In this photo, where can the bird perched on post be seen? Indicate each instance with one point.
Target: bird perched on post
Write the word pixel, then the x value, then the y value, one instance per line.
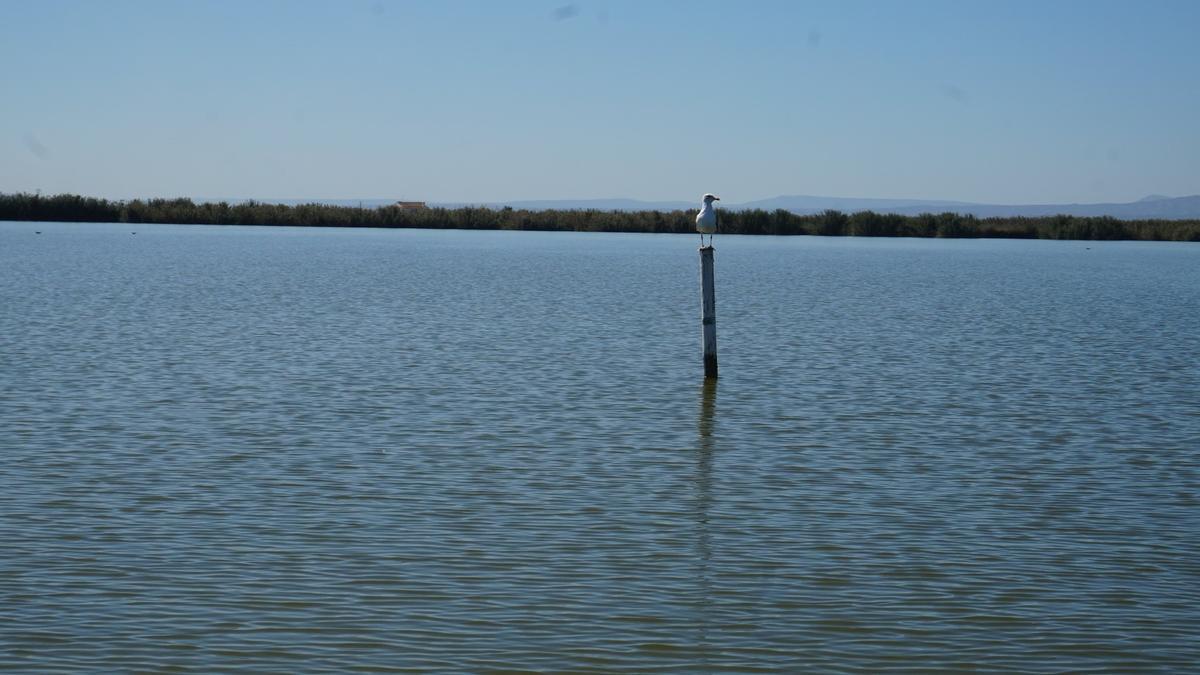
pixel 706 220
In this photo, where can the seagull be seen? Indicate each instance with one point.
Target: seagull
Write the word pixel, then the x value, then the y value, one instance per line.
pixel 706 220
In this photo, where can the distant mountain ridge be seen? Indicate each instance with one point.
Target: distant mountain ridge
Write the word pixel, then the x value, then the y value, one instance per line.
pixel 1149 207
pixel 1153 206
pixel 803 204
pixel 1172 208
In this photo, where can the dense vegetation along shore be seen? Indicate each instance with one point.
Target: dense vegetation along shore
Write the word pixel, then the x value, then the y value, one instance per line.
pixel 73 208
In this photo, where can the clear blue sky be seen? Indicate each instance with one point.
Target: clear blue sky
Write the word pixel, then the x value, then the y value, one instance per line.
pixel 1005 102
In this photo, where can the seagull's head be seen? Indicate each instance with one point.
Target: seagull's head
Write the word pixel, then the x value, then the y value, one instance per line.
pixel 710 198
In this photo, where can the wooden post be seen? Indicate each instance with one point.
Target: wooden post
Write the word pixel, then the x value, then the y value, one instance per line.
pixel 708 311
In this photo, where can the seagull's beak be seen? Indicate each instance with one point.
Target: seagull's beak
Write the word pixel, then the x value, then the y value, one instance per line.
pixel 716 199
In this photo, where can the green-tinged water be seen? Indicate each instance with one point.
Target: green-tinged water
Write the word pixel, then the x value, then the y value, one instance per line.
pixel 302 450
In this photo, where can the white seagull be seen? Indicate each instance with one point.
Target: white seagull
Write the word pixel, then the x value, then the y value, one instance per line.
pixel 706 220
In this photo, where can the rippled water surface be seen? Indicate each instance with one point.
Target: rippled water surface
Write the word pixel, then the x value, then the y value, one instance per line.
pixel 302 450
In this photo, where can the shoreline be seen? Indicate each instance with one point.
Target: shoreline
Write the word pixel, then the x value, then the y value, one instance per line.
pixel 76 209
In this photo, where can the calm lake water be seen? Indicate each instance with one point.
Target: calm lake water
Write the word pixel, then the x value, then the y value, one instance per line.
pixel 303 450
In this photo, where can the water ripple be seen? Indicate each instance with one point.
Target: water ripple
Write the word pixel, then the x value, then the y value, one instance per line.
pixel 264 450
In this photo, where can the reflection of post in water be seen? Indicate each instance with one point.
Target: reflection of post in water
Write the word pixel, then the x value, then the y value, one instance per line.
pixel 704 468
pixel 704 457
pixel 704 463
pixel 708 403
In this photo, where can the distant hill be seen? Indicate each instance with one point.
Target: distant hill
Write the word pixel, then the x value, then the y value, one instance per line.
pixel 805 204
pixel 364 203
pixel 1152 206
pixel 1168 208
pixel 614 204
